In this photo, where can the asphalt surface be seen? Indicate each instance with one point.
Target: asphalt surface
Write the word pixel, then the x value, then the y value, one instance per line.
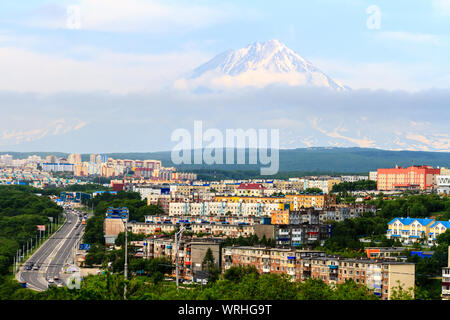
pixel 54 253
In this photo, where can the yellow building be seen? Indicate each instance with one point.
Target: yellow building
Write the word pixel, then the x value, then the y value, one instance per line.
pixel 295 202
pixel 409 230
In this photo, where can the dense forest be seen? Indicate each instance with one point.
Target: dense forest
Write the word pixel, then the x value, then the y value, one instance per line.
pixel 361 185
pixel 20 213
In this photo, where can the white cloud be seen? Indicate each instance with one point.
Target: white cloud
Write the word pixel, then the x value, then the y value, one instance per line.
pixel 442 7
pixel 104 70
pixel 386 75
pixel 440 142
pixel 137 16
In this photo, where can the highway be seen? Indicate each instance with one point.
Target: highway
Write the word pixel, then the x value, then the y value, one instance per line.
pixel 53 253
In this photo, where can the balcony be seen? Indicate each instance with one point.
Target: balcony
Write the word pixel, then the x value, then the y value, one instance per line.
pixel 446 292
pixel 266 269
pixel 291 257
pixel 332 266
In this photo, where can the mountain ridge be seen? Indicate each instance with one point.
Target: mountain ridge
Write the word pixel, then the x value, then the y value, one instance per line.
pixel 325 159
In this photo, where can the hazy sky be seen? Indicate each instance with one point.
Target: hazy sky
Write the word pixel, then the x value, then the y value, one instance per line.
pixel 97 75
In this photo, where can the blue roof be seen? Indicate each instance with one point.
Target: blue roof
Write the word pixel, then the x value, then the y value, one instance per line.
pixel 408 221
pixel 444 223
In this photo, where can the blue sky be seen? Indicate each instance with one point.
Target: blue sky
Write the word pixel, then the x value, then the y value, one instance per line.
pixel 132 51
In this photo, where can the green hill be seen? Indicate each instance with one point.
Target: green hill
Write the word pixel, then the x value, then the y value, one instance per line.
pixel 330 160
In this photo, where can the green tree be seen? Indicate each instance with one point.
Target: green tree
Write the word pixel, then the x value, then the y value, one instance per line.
pixel 211 266
pixel 314 289
pixel 398 293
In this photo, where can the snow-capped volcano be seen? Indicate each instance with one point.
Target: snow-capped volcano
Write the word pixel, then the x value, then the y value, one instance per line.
pixel 258 65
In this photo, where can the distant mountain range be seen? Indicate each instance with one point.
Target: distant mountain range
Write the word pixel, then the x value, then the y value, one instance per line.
pixel 258 65
pixel 327 159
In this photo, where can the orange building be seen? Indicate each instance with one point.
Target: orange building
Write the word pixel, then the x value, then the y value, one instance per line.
pixel 415 177
pixel 280 217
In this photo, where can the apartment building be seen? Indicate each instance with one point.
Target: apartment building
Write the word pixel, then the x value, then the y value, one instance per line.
pixel 353 178
pixel 381 276
pixel 224 230
pixel 344 212
pixel 436 229
pixel 323 183
pixel 250 190
pixel 384 253
pixel 414 177
pixel 190 253
pixel 266 260
pixel 410 230
pixel 301 234
pixel 443 184
pixel 222 208
pixel 251 220
pixel 446 279
pixel 57 167
pixel 296 201
pixel 114 223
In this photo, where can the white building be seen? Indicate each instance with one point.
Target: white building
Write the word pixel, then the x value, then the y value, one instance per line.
pixel 353 178
pixel 57 167
pixel 373 175
pixel 443 184
pixel 211 208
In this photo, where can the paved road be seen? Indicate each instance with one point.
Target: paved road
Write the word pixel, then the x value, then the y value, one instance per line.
pixel 54 253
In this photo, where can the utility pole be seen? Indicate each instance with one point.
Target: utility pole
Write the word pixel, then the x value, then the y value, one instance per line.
pixel 126 260
pixel 177 242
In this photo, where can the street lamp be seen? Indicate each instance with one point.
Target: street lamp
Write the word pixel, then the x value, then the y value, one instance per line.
pixel 178 236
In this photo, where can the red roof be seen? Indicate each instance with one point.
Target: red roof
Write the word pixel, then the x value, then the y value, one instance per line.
pixel 251 186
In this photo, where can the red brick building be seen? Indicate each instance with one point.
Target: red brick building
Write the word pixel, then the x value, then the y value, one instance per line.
pixel 415 177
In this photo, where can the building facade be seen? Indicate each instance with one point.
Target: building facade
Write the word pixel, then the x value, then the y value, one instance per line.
pixel 415 177
pixel 381 276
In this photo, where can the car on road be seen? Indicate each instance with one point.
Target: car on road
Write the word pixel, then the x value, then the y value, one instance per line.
pixel 78 233
pixel 36 268
pixel 29 267
pixel 56 278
